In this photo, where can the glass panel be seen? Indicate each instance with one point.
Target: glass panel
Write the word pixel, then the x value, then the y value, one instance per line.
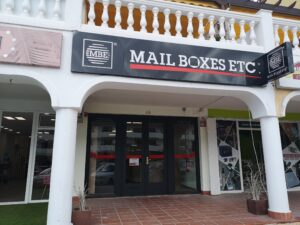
pixel 14 155
pixel 156 152
pixel 102 157
pixel 291 153
pixel 134 152
pixel 46 120
pixel 185 153
pixel 43 161
pixel 229 156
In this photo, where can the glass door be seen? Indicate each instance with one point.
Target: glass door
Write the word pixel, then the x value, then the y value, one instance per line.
pixel 155 159
pixel 134 157
pixel 144 157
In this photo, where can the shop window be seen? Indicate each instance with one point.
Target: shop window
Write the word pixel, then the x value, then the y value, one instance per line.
pixel 185 155
pixel 43 157
pixel 102 157
pixel 15 136
pixel 291 153
pixel 229 156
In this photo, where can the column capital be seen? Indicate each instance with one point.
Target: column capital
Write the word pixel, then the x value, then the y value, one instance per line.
pixel 78 109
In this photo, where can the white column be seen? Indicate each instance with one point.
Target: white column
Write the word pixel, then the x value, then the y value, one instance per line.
pixel 213 156
pixel 273 158
pixel 204 164
pixel 62 171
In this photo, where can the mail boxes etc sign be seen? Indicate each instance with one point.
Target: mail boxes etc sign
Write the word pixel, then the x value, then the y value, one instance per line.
pixel 110 55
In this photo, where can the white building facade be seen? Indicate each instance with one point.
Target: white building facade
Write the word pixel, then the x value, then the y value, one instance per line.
pixel 116 135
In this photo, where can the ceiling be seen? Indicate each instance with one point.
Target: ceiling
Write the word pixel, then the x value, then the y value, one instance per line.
pixel 23 91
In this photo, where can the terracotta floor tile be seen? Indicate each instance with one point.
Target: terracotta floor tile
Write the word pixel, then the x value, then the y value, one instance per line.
pixel 181 210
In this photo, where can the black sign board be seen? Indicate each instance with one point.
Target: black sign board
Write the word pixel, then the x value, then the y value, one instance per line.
pixel 110 55
pixel 277 63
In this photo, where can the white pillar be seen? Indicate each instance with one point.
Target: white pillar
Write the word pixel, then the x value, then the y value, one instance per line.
pixel 62 172
pixel 204 164
pixel 273 158
pixel 213 157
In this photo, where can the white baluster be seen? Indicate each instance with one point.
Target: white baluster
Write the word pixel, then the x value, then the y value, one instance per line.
pixel 276 35
pixel 25 7
pixel 143 22
pixel 295 38
pixel 190 25
pixel 286 34
pixel 232 33
pixel 222 29
pixel 167 25
pixel 9 6
pixel 155 24
pixel 56 10
pixel 252 33
pixel 105 17
pixel 178 26
pixel 130 20
pixel 212 30
pixel 118 17
pixel 201 27
pixel 91 14
pixel 242 39
pixel 42 9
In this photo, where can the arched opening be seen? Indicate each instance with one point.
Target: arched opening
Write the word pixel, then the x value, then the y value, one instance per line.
pixel 290 138
pixel 26 139
pixel 140 136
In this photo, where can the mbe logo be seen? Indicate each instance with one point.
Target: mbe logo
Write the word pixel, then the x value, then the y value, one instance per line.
pixel 275 60
pixel 97 54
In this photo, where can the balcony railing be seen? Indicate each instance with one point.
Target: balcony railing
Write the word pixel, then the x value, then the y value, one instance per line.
pixel 43 13
pixel 287 31
pixel 174 19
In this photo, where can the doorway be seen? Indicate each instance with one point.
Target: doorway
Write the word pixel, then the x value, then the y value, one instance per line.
pixel 141 155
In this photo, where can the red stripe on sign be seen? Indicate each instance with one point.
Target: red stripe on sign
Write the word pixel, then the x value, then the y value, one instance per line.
pixel 185 156
pixel 187 70
pixel 133 156
pixel 99 156
pixel 156 156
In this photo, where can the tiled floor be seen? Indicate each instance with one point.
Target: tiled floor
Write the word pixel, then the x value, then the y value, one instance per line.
pixel 181 210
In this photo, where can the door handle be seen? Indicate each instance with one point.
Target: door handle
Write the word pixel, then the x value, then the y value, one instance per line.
pixel 147 160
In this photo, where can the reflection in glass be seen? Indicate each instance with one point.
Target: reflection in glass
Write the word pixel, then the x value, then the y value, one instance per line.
pixel 185 153
pixel 43 161
pixel 134 152
pixel 229 155
pixel 291 153
pixel 15 138
pixel 156 152
pixel 102 157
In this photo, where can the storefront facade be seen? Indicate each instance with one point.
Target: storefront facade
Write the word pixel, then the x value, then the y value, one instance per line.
pixel 128 130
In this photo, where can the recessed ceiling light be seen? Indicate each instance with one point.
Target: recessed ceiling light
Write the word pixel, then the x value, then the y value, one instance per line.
pixel 10 130
pixel 5 128
pixel 18 132
pixel 46 132
pixel 20 118
pixel 9 118
pixel 52 119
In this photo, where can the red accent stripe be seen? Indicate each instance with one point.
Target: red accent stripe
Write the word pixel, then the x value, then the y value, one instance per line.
pixel 133 156
pixel 185 156
pixel 156 156
pixel 99 156
pixel 187 70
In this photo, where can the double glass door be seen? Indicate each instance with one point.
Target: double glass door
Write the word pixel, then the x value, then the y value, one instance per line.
pixel 139 155
pixel 145 166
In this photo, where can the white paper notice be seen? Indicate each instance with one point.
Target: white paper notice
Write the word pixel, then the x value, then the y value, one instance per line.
pixel 134 162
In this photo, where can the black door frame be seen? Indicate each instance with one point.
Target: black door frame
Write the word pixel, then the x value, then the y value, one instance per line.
pixel 169 182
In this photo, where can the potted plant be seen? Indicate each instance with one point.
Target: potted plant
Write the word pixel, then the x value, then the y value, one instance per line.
pixel 257 201
pixel 81 214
